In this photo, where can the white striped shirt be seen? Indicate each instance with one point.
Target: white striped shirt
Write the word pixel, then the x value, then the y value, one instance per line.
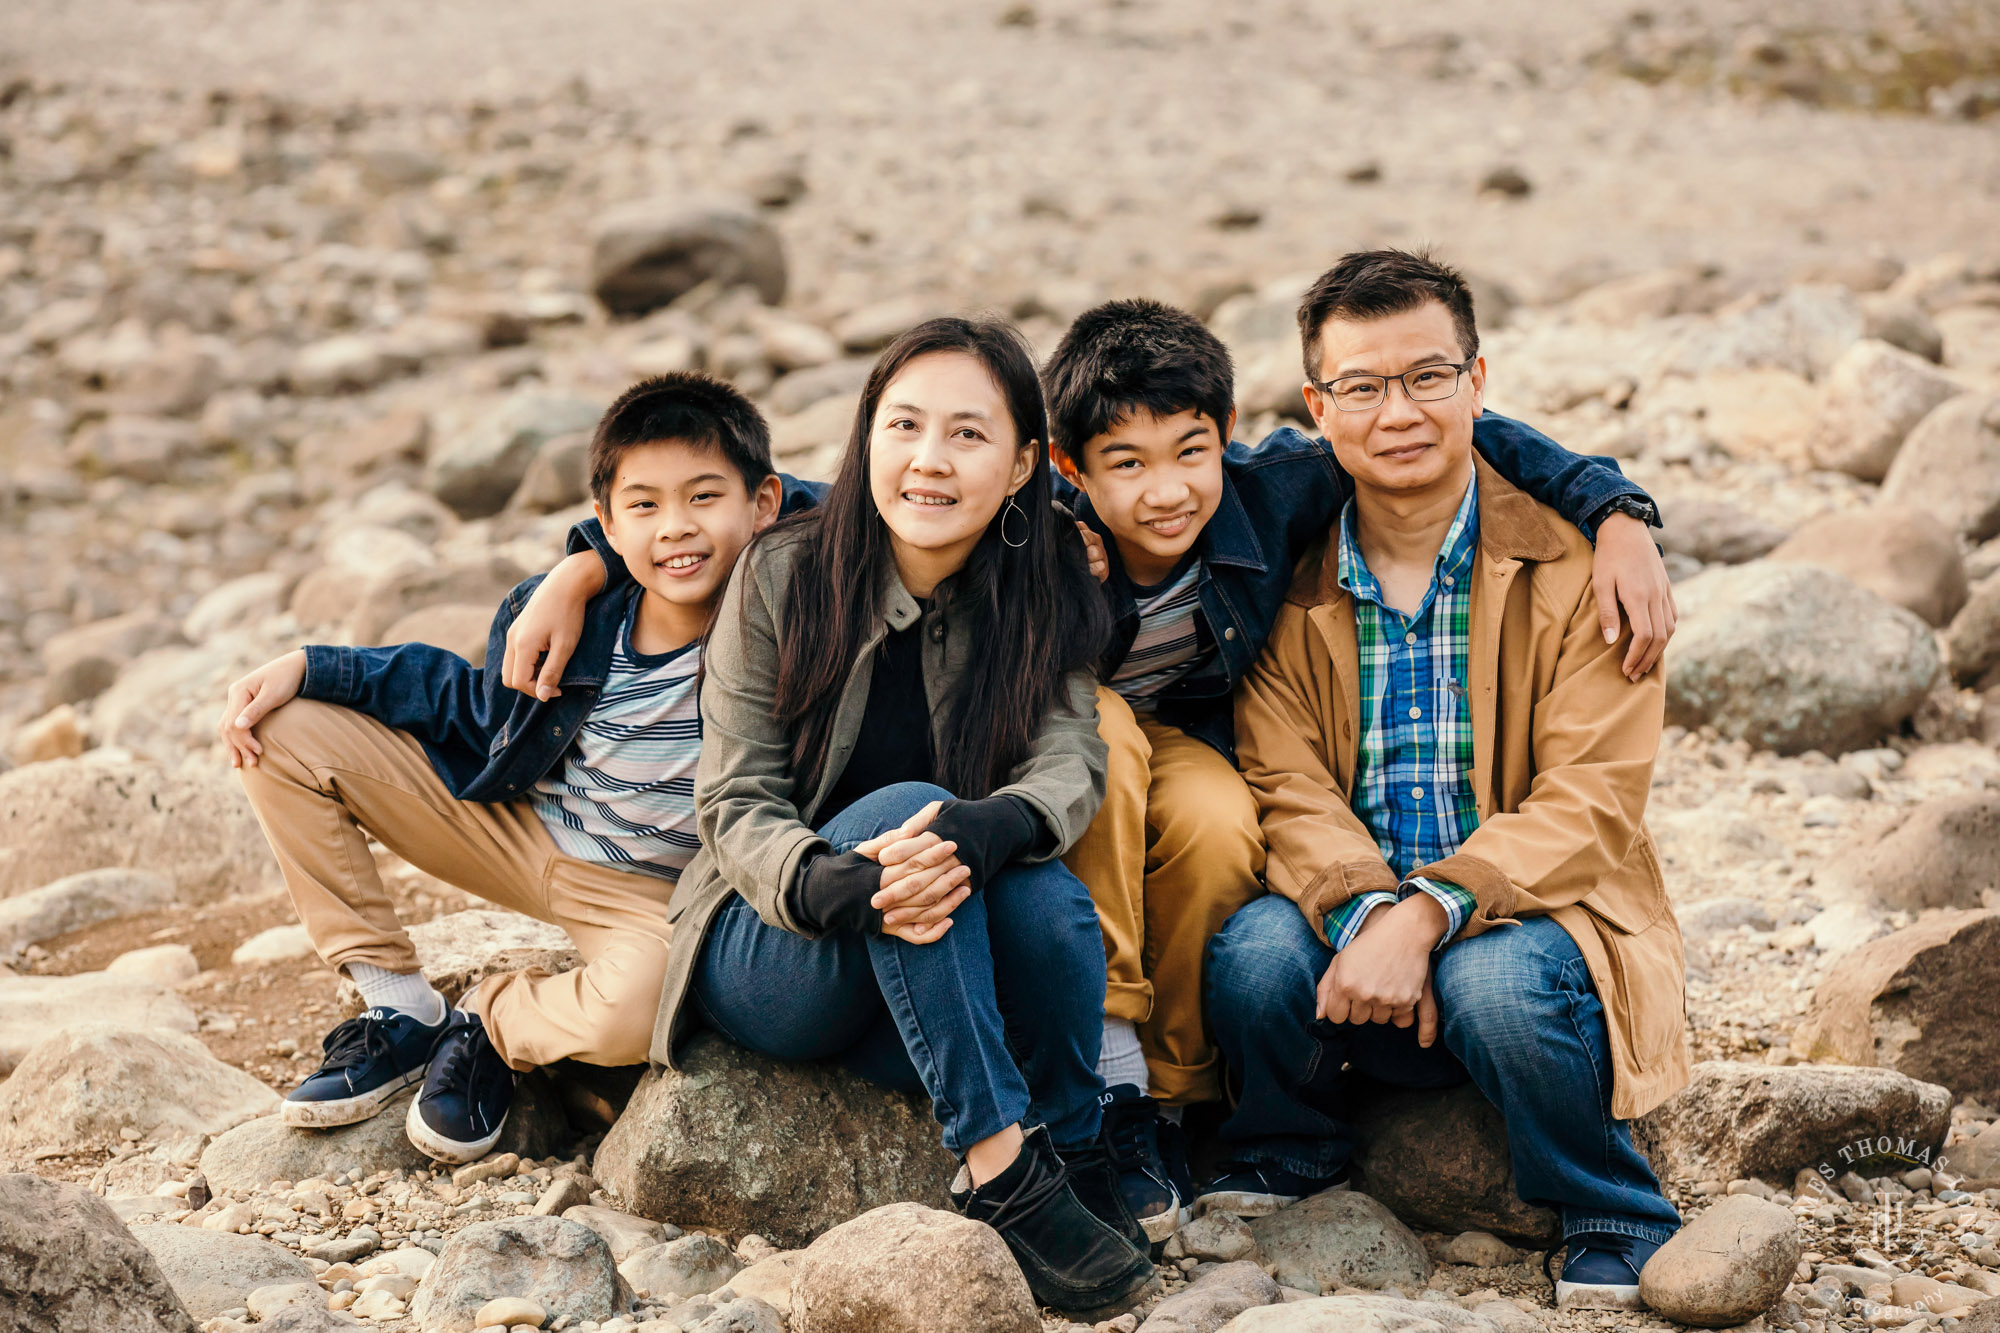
pixel 1167 645
pixel 624 793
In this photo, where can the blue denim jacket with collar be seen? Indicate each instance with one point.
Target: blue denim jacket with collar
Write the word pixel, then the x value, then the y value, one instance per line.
pixel 488 742
pixel 1278 498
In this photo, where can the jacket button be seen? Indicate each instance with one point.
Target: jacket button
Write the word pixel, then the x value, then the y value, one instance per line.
pixel 1230 634
pixel 555 731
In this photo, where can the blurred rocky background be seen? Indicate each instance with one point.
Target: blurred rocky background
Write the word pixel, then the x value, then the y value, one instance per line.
pixel 305 311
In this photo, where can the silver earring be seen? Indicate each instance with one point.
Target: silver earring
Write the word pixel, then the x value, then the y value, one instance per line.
pixel 1010 511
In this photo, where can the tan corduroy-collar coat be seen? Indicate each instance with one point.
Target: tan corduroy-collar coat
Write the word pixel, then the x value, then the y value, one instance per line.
pixel 1563 749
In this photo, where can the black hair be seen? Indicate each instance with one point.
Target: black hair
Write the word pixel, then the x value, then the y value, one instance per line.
pixel 683 406
pixel 1031 613
pixel 1373 284
pixel 1127 355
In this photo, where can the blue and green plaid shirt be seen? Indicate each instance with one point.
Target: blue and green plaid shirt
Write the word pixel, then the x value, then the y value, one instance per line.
pixel 1413 776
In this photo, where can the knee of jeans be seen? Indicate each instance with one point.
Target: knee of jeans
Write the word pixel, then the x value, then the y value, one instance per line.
pixel 1260 964
pixel 883 809
pixel 1047 911
pixel 1498 988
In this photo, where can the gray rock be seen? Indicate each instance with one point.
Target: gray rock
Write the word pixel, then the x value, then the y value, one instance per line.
pixel 1794 658
pixel 1726 1267
pixel 68 815
pixel 1901 555
pixel 79 900
pixel 66 1262
pixel 1740 1121
pixel 1212 1300
pixel 1973 640
pixel 1924 1000
pixel 400 594
pixel 144 449
pixel 80 1087
pixel 769 1279
pixel 34 1009
pixel 738 1142
pixel 213 1271
pixel 872 327
pixel 691 1266
pixel 1359 1314
pixel 1985 1318
pixel 1805 331
pixel 1903 323
pixel 624 1233
pixel 333 365
pixel 745 1314
pixel 563 1266
pixel 476 471
pixel 462 628
pixel 460 949
pixel 558 476
pixel 1341 1238
pixel 1978 1158
pixel 1218 1236
pixel 906 1268
pixel 265 1302
pixel 1941 853
pixel 238 604
pixel 1714 532
pixel 1872 400
pixel 82 663
pixel 1480 1249
pixel 1950 466
pixel 1719 914
pixel 647 254
pixel 1439 1160
pixel 804 389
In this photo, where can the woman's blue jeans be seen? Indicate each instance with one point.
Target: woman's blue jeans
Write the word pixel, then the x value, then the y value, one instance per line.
pixel 1517 1014
pixel 999 1021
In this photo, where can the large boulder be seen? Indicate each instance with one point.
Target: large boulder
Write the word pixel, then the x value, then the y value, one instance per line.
pixel 1439 1160
pixel 81 663
pixel 1805 331
pixel 1360 1314
pixel 1924 1000
pixel 1942 853
pixel 69 815
pixel 1904 556
pixel 685 1266
pixel 1793 658
pixel 1950 466
pixel 84 1085
pixel 905 1268
pixel 1874 398
pixel 165 704
pixel 32 1009
pixel 1341 1238
pixel 395 597
pixel 475 471
pixel 1726 1267
pixel 460 949
pixel 648 253
pixel 1737 1121
pixel 67 1262
pixel 213 1271
pixel 79 900
pixel 1716 532
pixel 737 1142
pixel 563 1267
pixel 1213 1299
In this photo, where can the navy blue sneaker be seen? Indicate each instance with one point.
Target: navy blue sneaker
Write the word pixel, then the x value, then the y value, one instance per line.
pixel 463 1107
pixel 368 1061
pixel 1131 1135
pixel 1249 1190
pixel 1601 1271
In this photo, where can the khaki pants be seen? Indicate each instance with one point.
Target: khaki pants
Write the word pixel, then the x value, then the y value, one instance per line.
pixel 327 773
pixel 1174 851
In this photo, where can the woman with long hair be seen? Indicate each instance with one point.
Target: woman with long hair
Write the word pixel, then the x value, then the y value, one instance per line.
pixel 900 737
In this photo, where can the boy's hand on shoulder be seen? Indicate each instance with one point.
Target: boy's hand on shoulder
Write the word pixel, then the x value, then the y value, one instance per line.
pixel 1093 550
pixel 252 698
pixel 1629 573
pixel 543 636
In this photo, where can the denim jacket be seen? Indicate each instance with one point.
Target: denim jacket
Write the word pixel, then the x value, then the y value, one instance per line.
pixel 488 742
pixel 1278 498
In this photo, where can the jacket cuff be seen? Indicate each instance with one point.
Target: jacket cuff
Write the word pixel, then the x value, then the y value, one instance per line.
pixel 1332 887
pixel 333 675
pixel 1486 882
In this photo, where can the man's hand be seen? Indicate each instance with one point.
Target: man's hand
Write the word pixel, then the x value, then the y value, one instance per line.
pixel 1093 549
pixel 543 636
pixel 252 698
pixel 923 881
pixel 1628 572
pixel 1384 976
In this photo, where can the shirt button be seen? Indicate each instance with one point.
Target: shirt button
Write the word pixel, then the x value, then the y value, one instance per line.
pixel 1409 638
pixel 1416 712
pixel 1449 580
pixel 1416 793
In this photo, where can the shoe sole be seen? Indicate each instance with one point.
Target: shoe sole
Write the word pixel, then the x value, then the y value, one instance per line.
pixel 1244 1204
pixel 348 1110
pixel 1105 1306
pixel 439 1148
pixel 1161 1227
pixel 1596 1296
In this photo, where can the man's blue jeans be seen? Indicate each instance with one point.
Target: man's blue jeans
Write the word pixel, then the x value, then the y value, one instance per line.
pixel 1517 1014
pixel 999 1021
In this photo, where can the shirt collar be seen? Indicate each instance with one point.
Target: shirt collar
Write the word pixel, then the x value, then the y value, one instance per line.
pixel 1454 557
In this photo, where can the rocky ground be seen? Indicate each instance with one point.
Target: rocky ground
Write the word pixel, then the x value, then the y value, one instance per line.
pixel 303 315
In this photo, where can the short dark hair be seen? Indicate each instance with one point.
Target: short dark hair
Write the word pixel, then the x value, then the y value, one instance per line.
pixel 684 406
pixel 1126 355
pixel 1374 284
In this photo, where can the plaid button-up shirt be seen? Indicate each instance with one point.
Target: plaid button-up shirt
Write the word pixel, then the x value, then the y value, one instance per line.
pixel 1413 775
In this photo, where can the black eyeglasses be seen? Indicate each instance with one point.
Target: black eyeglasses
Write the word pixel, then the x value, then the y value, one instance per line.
pixel 1425 384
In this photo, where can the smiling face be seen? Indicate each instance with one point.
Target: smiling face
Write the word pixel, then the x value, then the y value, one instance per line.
pixel 943 456
pixel 1155 481
pixel 1398 446
pixel 680 515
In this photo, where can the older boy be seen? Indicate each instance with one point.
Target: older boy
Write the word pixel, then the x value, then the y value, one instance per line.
pixel 576 808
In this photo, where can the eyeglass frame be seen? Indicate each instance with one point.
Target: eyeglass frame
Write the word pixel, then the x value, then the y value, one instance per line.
pixel 1463 368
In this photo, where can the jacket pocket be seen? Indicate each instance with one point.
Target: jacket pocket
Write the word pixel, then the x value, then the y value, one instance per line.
pixel 1633 897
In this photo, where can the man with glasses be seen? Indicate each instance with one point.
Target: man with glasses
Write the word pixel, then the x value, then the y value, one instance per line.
pixel 1450 768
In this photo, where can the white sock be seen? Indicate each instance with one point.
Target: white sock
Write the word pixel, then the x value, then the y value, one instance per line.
pixel 1120 1060
pixel 407 991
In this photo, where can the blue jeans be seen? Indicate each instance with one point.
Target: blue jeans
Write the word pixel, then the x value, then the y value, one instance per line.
pixel 999 1021
pixel 1517 1014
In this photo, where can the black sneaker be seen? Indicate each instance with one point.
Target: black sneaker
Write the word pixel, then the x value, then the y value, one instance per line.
pixel 1094 1177
pixel 368 1061
pixel 1131 1136
pixel 1073 1260
pixel 1174 1156
pixel 463 1107
pixel 1258 1191
pixel 1601 1271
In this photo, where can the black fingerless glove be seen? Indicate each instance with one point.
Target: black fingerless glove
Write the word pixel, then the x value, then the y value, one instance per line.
pixel 989 833
pixel 831 892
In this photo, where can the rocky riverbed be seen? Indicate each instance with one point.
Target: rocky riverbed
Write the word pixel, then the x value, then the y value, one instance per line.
pixel 303 317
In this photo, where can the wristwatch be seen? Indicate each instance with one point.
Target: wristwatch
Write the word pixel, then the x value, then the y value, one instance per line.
pixel 1642 509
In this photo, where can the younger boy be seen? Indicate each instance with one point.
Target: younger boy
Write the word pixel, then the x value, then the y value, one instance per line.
pixel 1203 535
pixel 576 808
